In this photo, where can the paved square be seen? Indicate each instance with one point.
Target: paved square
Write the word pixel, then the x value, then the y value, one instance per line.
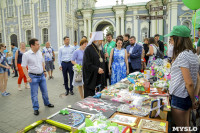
pixel 16 110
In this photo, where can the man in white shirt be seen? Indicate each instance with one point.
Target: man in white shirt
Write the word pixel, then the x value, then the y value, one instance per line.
pixel 36 74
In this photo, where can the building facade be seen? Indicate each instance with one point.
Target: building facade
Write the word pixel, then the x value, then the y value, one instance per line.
pixel 51 20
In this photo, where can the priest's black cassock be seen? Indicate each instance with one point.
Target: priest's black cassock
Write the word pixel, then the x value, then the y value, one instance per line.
pixel 91 65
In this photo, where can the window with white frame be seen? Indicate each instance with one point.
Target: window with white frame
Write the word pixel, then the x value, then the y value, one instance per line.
pixel 129 31
pixel 0 38
pixel 26 6
pixel 43 5
pixel 10 8
pixel 45 35
pixel 28 36
pixel 187 23
pixel 144 33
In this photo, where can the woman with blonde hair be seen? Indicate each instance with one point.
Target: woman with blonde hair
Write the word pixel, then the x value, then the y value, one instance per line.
pixel 77 58
pixel 18 60
pixel 3 71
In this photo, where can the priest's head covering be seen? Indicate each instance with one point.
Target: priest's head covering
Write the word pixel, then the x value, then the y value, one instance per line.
pixel 98 35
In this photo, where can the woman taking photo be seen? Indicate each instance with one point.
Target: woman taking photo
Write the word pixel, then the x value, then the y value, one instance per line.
pixel 119 61
pixel 18 60
pixel 184 73
pixel 77 58
pixel 153 46
pixel 3 71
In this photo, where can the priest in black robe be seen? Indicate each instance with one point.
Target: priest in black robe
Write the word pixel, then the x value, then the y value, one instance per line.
pixel 94 66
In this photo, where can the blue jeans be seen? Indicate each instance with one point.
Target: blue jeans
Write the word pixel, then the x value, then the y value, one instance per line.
pixel 36 82
pixel 181 103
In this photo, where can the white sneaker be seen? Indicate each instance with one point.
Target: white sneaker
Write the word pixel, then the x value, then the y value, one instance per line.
pixel 19 88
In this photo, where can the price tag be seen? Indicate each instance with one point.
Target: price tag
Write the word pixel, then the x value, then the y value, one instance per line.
pixel 88 116
pixel 132 124
pixel 163 124
pixel 169 107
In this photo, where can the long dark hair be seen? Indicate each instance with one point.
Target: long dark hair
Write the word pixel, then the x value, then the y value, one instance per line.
pixel 153 41
pixel 181 44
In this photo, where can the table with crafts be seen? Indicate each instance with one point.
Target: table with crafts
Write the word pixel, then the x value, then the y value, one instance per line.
pixel 138 103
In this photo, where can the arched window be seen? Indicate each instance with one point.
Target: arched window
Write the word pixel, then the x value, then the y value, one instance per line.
pixel 43 5
pixel 82 34
pixel 129 31
pixel 187 23
pixel 10 6
pixel 26 7
pixel 0 38
pixel 45 35
pixel 144 33
pixel 28 36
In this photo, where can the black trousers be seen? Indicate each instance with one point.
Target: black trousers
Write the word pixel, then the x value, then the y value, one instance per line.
pixel 67 69
pixel 131 70
pixel 16 73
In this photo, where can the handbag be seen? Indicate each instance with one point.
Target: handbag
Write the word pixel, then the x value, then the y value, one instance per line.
pixel 159 54
pixel 78 76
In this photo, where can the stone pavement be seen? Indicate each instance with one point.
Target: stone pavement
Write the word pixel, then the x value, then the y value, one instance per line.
pixel 16 110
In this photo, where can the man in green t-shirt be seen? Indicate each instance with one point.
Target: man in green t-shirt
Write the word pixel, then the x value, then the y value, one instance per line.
pixel 107 49
pixel 198 43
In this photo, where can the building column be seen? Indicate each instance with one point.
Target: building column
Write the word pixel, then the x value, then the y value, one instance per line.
pixel 174 17
pixel 89 28
pixel 19 23
pixel 160 24
pixel 122 26
pixel 135 22
pixel 117 26
pixel 4 29
pixel 85 27
pixel 153 26
pixel 33 19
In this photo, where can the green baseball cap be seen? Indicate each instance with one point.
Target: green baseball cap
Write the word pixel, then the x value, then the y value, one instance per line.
pixel 181 30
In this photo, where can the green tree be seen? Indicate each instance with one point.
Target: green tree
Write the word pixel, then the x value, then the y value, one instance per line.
pixel 110 30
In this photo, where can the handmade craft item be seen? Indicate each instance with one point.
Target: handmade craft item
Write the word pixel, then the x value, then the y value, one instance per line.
pixel 64 112
pixel 47 126
pixel 124 96
pixel 137 111
pixel 74 119
pixel 153 125
pixel 102 126
pixel 125 119
pixel 93 105
pixel 157 109
pixel 165 100
pixel 139 88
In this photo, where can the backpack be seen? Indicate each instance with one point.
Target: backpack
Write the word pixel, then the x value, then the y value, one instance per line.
pixel 159 54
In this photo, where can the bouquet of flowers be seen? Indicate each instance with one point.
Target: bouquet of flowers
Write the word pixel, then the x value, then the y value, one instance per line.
pixel 78 72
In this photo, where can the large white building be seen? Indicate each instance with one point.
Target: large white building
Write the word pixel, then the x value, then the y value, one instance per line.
pixel 51 20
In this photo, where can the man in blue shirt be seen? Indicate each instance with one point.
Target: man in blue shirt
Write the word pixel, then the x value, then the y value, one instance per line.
pixel 14 49
pixel 64 60
pixel 76 46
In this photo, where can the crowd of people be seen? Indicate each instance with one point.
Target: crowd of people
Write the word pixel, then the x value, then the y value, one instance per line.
pixel 107 64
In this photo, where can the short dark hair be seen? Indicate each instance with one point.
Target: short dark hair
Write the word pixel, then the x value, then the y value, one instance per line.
pixel 65 37
pixel 75 41
pixel 156 35
pixel 85 37
pixel 109 34
pixel 13 44
pixel 120 36
pixel 127 35
pixel 119 39
pixel 133 37
pixel 32 41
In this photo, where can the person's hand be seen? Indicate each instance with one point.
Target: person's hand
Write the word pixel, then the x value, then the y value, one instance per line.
pixel 45 74
pixel 7 67
pixel 29 80
pixel 100 71
pixel 128 54
pixel 195 104
pixel 60 68
pixel 127 72
pixel 16 68
pixel 109 72
pixel 106 54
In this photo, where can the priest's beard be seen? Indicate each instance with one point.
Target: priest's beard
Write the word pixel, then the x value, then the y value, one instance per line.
pixel 98 46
